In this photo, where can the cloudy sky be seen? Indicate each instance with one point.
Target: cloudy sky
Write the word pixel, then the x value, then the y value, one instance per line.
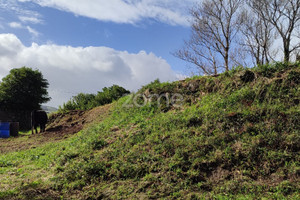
pixel 85 45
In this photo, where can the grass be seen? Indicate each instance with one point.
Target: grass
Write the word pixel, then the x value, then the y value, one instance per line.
pixel 231 139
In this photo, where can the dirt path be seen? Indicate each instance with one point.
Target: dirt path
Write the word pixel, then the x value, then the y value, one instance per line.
pixel 60 126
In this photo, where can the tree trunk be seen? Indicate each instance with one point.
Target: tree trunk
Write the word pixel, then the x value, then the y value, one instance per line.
pixel 226 59
pixel 286 51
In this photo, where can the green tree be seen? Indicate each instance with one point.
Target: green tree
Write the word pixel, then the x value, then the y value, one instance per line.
pixel 79 102
pixel 110 94
pixel 23 89
pixel 88 101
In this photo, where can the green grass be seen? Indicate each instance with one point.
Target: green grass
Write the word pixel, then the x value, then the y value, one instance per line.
pixel 229 140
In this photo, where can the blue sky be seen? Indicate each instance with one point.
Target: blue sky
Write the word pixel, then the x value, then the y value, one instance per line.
pixel 85 45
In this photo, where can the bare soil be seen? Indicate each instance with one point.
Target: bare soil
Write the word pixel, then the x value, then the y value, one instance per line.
pixel 60 126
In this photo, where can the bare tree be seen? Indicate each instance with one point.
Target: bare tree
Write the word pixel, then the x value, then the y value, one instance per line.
pixel 284 16
pixel 200 53
pixel 258 37
pixel 214 27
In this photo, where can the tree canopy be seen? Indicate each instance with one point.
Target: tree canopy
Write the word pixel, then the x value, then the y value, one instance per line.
pixel 23 89
pixel 84 101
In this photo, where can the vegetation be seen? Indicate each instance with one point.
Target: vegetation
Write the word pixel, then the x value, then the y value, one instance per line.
pixel 284 17
pixel 214 28
pixel 226 33
pixel 23 89
pixel 87 101
pixel 235 136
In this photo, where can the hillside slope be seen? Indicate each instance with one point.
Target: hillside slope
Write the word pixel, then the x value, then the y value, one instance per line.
pixel 59 127
pixel 234 136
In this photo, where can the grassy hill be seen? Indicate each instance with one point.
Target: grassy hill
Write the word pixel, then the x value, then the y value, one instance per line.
pixel 234 136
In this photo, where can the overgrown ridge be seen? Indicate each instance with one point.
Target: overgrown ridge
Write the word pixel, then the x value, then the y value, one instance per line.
pixel 234 136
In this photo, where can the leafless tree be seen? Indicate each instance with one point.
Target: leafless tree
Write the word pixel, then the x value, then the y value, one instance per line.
pixel 214 27
pixel 200 53
pixel 284 16
pixel 258 36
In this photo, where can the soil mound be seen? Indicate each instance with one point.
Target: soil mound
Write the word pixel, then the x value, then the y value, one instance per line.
pixel 60 126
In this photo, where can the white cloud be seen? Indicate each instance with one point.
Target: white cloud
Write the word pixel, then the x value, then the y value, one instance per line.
pixel 18 25
pixel 15 25
pixel 32 20
pixel 23 15
pixel 71 70
pixel 173 12
pixel 16 8
pixel 32 31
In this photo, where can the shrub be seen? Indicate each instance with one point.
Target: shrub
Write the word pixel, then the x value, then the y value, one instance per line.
pixel 88 101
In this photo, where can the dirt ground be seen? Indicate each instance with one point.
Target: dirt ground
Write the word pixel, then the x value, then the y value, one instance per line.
pixel 59 127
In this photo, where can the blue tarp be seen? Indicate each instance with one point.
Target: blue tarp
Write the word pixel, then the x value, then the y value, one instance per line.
pixel 4 125
pixel 4 134
pixel 4 129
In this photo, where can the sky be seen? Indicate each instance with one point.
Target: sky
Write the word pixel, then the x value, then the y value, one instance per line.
pixel 85 45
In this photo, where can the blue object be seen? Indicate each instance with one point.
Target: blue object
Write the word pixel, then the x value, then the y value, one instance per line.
pixel 4 125
pixel 4 134
pixel 4 129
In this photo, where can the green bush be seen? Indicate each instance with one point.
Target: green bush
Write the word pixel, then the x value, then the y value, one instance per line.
pixel 88 101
